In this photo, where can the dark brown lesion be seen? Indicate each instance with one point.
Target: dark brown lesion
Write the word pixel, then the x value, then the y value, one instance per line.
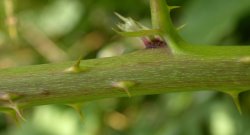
pixel 45 93
pixel 154 43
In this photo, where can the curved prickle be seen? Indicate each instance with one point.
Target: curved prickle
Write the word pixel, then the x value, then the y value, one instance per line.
pixel 7 100
pixel 76 68
pixel 235 96
pixel 78 109
pixel 125 85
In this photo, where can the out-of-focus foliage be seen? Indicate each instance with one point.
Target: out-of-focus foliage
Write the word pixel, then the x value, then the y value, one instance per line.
pixel 59 30
pixel 215 22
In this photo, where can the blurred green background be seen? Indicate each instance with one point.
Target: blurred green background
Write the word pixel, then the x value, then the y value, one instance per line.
pixel 48 31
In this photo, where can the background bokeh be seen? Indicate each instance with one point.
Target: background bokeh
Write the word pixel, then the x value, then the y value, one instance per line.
pixel 48 31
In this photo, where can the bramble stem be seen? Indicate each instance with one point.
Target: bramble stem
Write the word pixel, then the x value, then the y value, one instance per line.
pixel 144 72
pixel 152 71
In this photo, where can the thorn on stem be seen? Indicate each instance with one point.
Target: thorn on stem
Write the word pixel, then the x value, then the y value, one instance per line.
pixel 181 27
pixel 124 85
pixel 7 100
pixel 235 96
pixel 78 109
pixel 129 25
pixel 76 68
pixel 18 112
pixel 173 7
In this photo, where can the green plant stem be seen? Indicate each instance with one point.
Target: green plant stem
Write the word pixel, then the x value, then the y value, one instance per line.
pixel 161 20
pixel 160 16
pixel 152 70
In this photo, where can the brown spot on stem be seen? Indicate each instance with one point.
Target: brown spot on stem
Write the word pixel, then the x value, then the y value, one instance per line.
pixel 154 43
pixel 45 93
